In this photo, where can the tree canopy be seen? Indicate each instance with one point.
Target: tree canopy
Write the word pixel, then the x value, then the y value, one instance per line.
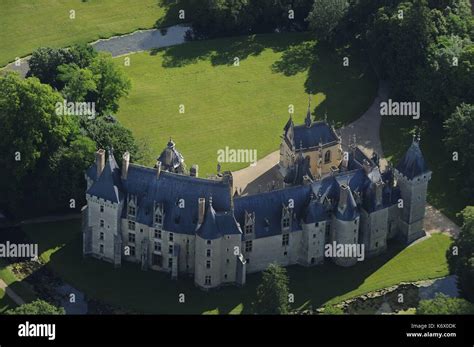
pixel 37 307
pixel 461 255
pixel 272 293
pixel 37 141
pixel 325 16
pixel 443 304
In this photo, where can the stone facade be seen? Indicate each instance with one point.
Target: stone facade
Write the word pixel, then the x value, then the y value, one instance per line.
pixel 188 226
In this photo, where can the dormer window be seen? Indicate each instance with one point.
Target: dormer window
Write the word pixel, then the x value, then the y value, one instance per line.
pixel 158 219
pixel 286 222
pixel 248 229
pixel 131 210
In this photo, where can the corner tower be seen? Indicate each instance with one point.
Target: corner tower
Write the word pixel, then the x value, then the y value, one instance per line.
pixel 412 176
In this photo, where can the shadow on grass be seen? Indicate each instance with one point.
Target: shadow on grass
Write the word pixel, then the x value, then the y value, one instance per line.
pixel 223 51
pixel 326 74
pixel 172 8
pixel 154 292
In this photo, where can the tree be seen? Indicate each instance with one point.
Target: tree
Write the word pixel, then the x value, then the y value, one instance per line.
pixel 111 84
pixel 44 63
pixel 325 16
pixel 78 82
pixel 443 304
pixel 37 307
pixel 65 168
pixel 272 293
pixel 112 135
pixel 461 255
pixel 460 138
pixel 82 55
pixel 32 133
pixel 214 18
pixel 396 58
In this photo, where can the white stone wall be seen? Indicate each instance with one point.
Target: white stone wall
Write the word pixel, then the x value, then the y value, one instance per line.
pixel 229 256
pixel 413 193
pixel 201 259
pixel 312 244
pixel 345 232
pixel 111 226
pixel 269 250
pixel 373 231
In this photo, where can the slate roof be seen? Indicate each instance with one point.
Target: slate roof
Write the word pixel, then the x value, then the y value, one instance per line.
pixel 170 158
pixel 316 212
pixel 168 189
pixel 349 212
pixel 108 186
pixel 296 173
pixel 412 164
pixel 268 209
pixel 312 203
pixel 308 137
pixel 217 224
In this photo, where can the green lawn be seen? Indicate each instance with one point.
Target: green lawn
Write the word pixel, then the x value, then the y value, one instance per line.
pixel 29 24
pixel 443 192
pixel 20 287
pixel 245 106
pixel 154 292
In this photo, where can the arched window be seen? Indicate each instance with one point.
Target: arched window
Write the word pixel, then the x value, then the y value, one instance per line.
pixel 327 157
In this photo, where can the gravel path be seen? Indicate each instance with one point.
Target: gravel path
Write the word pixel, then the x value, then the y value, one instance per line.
pixel 137 41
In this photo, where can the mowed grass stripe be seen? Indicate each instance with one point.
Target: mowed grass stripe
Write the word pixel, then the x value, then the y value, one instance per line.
pixel 243 107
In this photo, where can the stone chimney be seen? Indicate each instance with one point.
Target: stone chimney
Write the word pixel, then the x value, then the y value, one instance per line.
pixel 378 193
pixel 158 168
pixel 343 192
pixel 100 161
pixel 194 171
pixel 201 210
pixel 125 164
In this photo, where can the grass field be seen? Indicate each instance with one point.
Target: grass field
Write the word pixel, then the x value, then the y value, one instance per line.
pixel 29 24
pixel 21 288
pixel 154 292
pixel 245 106
pixel 443 192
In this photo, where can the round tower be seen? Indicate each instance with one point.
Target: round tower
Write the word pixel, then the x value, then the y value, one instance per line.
pixel 345 230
